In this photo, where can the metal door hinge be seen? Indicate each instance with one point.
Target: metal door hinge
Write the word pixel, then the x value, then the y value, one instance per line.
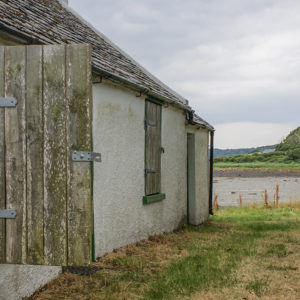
pixel 8 102
pixel 150 170
pixel 86 156
pixel 8 213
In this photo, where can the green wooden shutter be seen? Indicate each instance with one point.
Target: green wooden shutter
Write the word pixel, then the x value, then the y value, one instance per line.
pixel 153 148
pixel 38 179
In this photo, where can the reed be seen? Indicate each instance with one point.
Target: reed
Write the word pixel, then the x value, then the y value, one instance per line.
pixel 215 203
pixel 266 198
pixel 277 195
pixel 240 200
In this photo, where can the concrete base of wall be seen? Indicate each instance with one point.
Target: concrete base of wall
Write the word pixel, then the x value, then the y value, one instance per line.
pixel 17 281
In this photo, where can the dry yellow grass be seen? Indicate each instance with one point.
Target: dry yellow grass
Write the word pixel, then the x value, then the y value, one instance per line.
pixel 255 252
pixel 279 277
pixel 148 257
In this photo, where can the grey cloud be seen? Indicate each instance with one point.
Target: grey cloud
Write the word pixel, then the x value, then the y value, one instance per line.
pixel 234 60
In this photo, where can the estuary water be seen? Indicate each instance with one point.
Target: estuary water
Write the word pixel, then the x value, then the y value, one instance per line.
pixel 229 189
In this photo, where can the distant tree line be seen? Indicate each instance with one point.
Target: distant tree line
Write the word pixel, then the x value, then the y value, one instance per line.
pixel 240 151
pixel 287 151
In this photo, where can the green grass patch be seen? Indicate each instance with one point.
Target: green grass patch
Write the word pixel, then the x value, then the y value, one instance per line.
pixel 196 259
pixel 204 267
pixel 257 286
pixel 277 249
pixel 215 264
pixel 281 268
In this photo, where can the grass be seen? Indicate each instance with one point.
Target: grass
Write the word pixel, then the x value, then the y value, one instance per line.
pixel 241 253
pixel 258 165
pixel 257 286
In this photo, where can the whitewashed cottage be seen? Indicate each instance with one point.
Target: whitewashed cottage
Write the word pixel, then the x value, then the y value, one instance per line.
pixel 95 152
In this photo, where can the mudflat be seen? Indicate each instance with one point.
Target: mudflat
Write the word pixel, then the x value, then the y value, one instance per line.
pixel 250 173
pixel 251 189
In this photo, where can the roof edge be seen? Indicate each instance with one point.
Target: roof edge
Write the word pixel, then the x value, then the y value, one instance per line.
pixel 140 89
pixel 193 118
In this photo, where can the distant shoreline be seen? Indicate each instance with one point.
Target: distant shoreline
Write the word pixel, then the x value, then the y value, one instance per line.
pixel 248 173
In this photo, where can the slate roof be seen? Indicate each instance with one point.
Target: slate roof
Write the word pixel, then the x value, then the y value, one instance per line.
pixel 198 120
pixel 50 22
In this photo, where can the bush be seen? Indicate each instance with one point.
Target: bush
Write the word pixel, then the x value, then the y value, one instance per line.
pixel 294 154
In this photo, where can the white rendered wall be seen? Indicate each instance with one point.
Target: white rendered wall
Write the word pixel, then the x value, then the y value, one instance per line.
pixel 118 133
pixel 174 167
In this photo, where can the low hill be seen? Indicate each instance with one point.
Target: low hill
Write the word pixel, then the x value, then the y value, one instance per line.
pixel 292 141
pixel 287 152
pixel 232 152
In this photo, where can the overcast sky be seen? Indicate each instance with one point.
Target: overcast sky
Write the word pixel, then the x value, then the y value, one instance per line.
pixel 236 61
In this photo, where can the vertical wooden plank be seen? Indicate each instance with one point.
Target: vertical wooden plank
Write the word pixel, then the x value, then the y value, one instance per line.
pixel 158 149
pixel 153 144
pixel 149 147
pixel 55 156
pixel 35 172
pixel 15 141
pixel 79 120
pixel 150 136
pixel 2 160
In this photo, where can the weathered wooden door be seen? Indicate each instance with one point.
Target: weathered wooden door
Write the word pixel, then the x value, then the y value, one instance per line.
pixel 50 193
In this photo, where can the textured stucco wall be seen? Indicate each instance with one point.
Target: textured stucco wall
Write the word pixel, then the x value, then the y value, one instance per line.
pixel 199 210
pixel 18 281
pixel 118 134
pixel 174 167
pixel 118 128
